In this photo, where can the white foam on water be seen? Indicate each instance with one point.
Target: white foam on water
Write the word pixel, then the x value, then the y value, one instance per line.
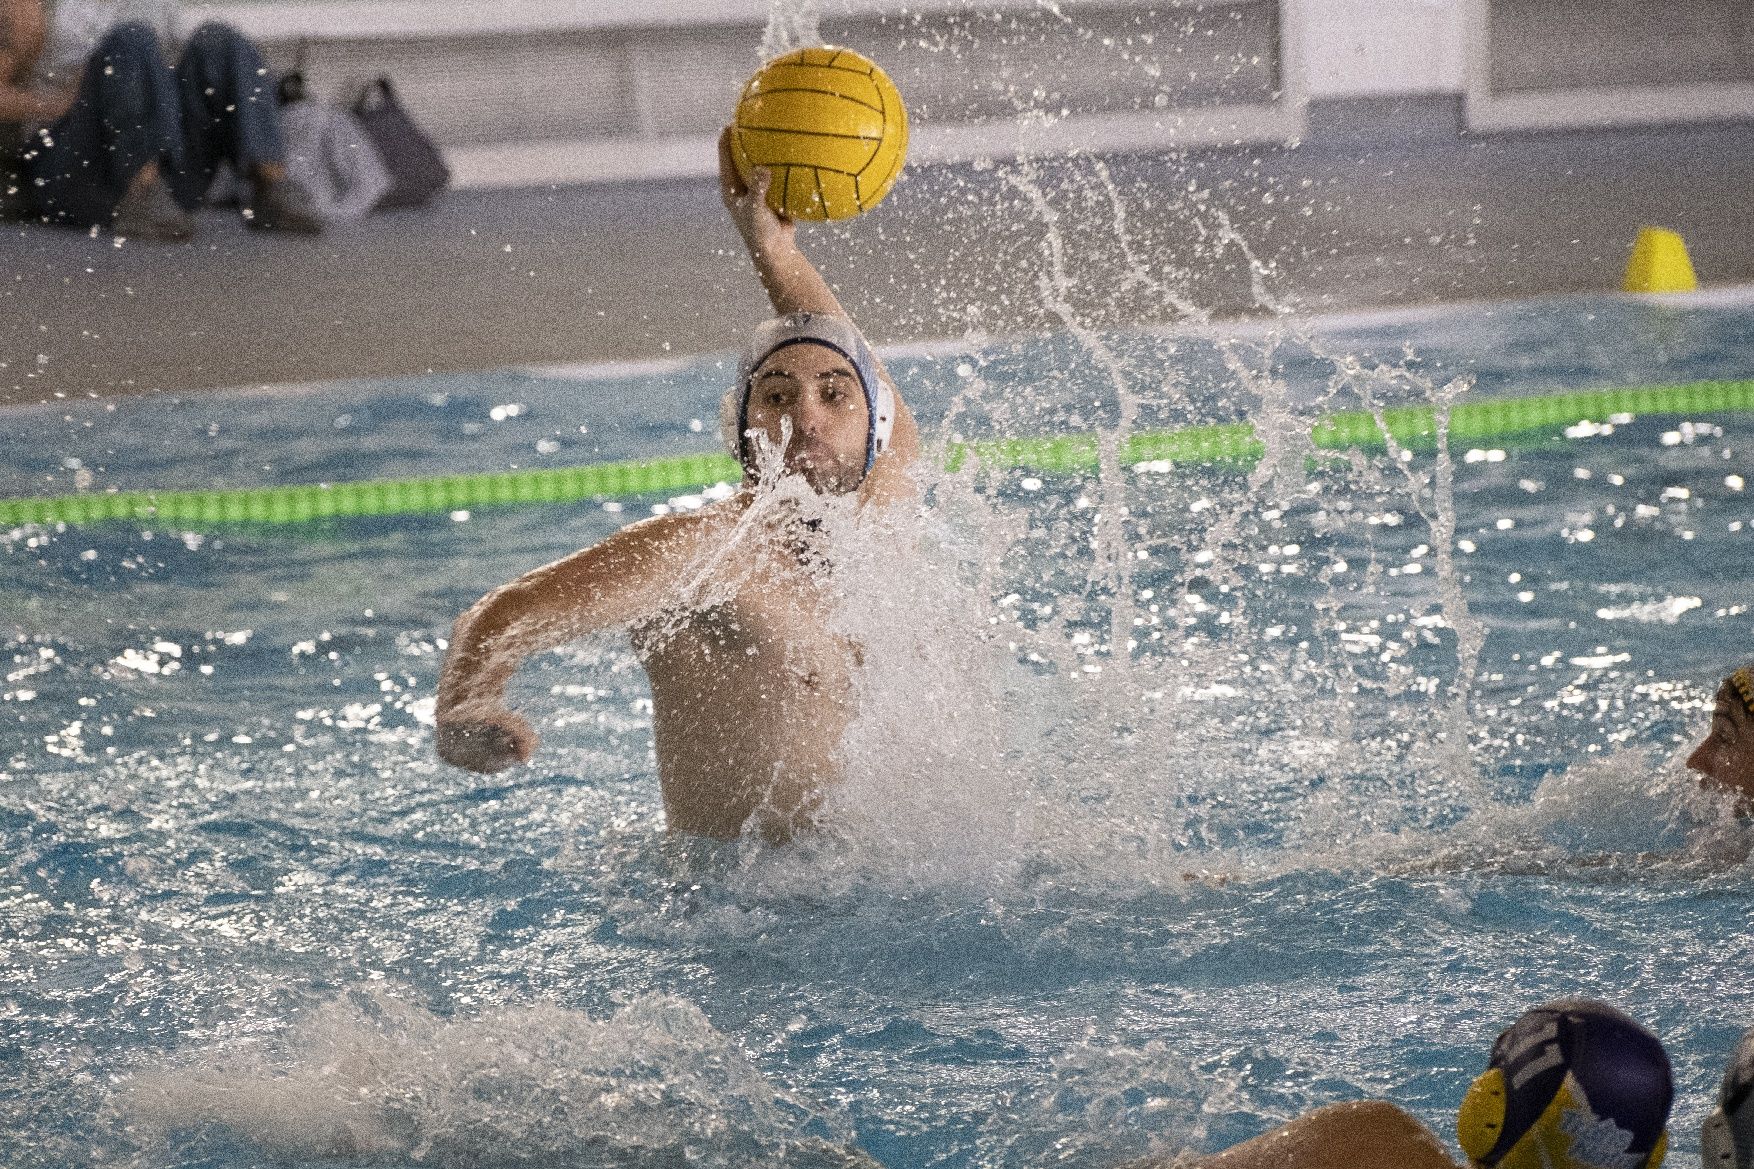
pixel 1104 1105
pixel 371 1078
pixel 1622 809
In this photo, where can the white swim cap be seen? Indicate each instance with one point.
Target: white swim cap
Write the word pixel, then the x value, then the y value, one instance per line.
pixel 831 332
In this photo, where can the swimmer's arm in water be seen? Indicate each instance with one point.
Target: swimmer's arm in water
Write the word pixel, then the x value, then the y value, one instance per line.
pixel 610 585
pixel 1367 1134
pixel 794 285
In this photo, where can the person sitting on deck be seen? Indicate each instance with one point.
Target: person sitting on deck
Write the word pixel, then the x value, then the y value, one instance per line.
pixel 108 136
pixel 1725 758
pixel 728 605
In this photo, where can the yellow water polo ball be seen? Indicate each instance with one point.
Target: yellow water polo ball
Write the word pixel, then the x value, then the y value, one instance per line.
pixel 832 127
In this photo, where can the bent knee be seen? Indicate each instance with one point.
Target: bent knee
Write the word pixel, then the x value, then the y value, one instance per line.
pixel 215 33
pixel 130 39
pixel 217 39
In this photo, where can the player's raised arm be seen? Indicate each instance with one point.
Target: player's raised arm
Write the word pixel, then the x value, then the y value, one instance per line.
pixel 792 282
pixel 794 285
pixel 611 585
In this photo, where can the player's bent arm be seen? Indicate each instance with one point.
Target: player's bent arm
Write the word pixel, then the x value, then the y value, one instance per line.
pixel 608 585
pixel 1365 1134
pixel 793 283
pixel 613 584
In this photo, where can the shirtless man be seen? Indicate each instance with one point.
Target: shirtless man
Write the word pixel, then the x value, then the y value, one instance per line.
pixel 1725 759
pixel 728 606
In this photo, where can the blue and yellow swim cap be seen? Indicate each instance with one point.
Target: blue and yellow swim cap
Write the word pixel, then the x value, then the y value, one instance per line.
pixel 1573 1084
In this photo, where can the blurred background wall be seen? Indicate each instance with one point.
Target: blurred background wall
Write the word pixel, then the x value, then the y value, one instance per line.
pixel 526 92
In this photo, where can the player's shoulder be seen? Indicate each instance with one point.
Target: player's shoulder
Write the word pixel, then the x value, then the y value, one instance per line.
pixel 679 531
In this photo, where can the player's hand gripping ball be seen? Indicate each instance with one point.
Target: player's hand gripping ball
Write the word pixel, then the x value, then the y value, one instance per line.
pixel 831 126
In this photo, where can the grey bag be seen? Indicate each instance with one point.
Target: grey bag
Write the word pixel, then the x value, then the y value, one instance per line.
pixel 329 154
pixel 417 170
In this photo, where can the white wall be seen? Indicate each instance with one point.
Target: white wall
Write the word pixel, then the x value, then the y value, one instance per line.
pixel 509 80
pixel 1364 48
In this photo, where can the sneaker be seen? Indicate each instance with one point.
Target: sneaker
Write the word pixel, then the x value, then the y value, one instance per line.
pixel 1727 1141
pixel 150 213
pixel 283 206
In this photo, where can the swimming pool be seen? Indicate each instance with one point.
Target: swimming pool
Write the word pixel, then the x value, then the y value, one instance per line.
pixel 1101 903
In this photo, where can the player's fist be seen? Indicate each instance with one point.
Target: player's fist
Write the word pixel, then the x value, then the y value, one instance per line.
pixel 485 740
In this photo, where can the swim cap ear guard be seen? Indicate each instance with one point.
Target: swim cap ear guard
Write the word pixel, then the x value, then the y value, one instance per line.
pixel 831 332
pixel 1571 1085
pixel 1727 1140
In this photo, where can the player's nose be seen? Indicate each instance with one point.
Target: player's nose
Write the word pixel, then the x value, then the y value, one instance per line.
pixel 809 417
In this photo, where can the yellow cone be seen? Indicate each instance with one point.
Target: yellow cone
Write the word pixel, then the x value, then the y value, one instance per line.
pixel 1659 263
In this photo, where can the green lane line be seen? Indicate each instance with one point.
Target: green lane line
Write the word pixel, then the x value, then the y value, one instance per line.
pixel 1412 426
pixel 377 497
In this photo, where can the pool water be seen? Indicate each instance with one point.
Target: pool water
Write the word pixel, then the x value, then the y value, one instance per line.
pixel 1388 758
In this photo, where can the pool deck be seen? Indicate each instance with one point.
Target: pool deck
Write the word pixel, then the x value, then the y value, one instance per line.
pixel 625 273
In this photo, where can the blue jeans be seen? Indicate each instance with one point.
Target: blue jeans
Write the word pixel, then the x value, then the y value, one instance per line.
pixel 218 105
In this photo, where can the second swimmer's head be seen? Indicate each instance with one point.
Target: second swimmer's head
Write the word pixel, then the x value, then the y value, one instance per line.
pixel 810 380
pixel 1725 758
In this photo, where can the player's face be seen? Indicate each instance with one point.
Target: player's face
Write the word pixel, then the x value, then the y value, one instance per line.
pixel 818 390
pixel 1726 757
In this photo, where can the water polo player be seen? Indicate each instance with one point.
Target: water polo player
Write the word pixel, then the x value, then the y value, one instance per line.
pixel 1573 1084
pixel 1726 756
pixel 1727 1139
pixel 728 606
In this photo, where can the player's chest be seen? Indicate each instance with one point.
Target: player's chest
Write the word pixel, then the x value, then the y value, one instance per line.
pixel 768 621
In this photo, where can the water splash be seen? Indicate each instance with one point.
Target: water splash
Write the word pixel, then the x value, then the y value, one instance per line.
pixel 370 1078
pixel 1104 1105
pixel 791 24
pixel 1146 644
